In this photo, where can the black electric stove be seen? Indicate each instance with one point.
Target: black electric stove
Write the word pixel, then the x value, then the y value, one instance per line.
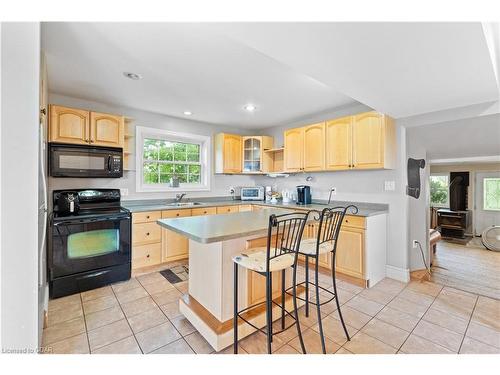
pixel 89 241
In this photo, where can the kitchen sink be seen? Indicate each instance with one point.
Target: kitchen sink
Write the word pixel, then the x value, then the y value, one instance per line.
pixel 182 204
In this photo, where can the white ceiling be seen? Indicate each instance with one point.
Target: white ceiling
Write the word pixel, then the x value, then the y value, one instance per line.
pixel 289 70
pixel 185 67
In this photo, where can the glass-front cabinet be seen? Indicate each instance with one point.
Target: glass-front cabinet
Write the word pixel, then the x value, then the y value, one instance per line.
pixel 253 148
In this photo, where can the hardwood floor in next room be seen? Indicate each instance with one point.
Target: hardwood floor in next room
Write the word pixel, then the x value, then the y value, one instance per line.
pixel 142 316
pixel 470 267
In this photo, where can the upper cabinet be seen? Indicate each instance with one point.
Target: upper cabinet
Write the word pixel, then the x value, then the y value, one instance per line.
pixel 314 147
pixel 294 150
pixel 373 141
pixel 106 129
pixel 338 143
pixel 69 125
pixel 76 126
pixel 253 152
pixel 363 141
pixel 305 148
pixel 228 153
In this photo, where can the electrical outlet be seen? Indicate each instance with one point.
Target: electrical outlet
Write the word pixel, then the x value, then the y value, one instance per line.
pixel 390 185
pixel 123 192
pixel 334 191
pixel 414 243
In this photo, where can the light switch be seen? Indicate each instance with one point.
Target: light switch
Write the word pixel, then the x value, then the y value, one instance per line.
pixel 390 185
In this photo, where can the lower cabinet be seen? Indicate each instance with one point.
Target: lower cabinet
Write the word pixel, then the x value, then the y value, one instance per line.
pixel 203 211
pixel 146 255
pixel 350 248
pixel 350 252
pixel 174 245
pixel 227 209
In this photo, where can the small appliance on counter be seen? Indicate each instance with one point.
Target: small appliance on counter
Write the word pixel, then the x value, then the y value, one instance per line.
pixel 89 241
pixel 303 194
pixel 268 192
pixel 85 161
pixel 254 193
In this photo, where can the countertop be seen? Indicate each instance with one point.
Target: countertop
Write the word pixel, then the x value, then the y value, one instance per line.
pixel 223 227
pixel 364 209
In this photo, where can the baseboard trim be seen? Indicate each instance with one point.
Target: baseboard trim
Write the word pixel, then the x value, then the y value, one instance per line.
pixel 401 274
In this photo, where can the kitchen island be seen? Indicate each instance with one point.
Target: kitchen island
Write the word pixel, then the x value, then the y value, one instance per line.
pixel 214 240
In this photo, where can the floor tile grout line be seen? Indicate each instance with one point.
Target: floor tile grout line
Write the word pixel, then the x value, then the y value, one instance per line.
pixel 435 297
pixel 373 317
pixel 85 322
pixel 128 323
pixel 470 319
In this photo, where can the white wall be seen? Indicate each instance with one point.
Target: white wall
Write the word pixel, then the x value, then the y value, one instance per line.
pixel 219 183
pixel 361 186
pixel 20 54
pixel 462 138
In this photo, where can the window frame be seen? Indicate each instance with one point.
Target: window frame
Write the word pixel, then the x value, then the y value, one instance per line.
pixel 447 204
pixel 143 132
pixel 484 194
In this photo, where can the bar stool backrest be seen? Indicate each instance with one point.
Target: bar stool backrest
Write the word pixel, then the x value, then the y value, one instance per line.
pixel 284 235
pixel 330 222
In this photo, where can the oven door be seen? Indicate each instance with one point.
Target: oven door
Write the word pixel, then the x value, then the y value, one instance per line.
pixel 84 161
pixel 80 245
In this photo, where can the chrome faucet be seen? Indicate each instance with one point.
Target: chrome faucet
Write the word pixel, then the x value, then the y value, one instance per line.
pixel 179 196
pixel 332 190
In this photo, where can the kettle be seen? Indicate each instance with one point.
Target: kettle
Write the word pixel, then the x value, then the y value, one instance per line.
pixel 68 203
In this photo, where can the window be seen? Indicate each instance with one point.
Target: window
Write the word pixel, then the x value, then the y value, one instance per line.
pixel 164 156
pixel 439 191
pixel 491 188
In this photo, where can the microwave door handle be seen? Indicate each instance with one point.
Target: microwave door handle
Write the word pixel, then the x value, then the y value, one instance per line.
pixel 109 163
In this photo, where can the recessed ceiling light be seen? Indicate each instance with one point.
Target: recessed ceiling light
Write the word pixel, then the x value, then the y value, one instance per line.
pixel 250 107
pixel 133 76
pixel 188 113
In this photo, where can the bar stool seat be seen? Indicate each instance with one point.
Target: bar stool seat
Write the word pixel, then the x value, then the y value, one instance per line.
pixel 255 260
pixel 308 246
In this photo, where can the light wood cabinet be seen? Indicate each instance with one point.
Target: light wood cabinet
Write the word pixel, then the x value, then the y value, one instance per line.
pixel 203 211
pixel 350 252
pixel 174 245
pixel 228 152
pixel 338 137
pixel 77 126
pixel 106 130
pixel 314 147
pixel 146 255
pixel 363 141
pixel 253 148
pixel 227 209
pixel 256 284
pixel 146 239
pixel 69 125
pixel 293 157
pixel 373 141
pixel 245 207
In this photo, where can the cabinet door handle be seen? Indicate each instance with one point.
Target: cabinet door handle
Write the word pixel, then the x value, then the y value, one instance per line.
pixel 147 233
pixel 147 217
pixel 147 256
pixel 177 214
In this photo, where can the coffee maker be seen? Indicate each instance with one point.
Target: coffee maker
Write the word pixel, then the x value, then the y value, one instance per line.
pixel 303 194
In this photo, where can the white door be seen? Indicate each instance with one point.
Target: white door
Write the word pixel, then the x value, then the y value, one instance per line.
pixel 487 200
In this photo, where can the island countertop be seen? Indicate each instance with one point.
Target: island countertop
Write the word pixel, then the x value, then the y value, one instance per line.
pixel 222 227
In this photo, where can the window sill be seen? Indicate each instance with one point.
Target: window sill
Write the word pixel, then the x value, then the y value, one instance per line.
pixel 171 189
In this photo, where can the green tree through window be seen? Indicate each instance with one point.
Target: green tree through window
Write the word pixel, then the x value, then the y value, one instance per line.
pixel 439 191
pixel 163 160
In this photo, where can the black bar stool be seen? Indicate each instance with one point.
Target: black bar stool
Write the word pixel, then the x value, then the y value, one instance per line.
pixel 283 240
pixel 330 221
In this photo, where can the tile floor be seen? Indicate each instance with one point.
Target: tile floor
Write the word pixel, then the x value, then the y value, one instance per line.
pixel 142 316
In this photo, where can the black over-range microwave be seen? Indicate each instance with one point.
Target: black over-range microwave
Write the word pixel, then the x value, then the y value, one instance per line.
pixel 85 161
